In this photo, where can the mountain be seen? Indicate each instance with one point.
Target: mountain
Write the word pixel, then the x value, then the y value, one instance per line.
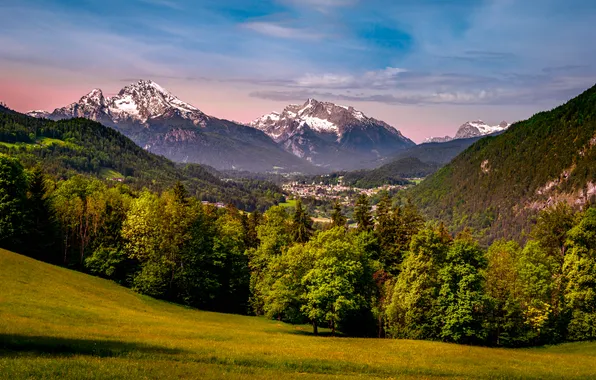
pixel 433 152
pixel 500 182
pixel 479 128
pixel 471 129
pixel 331 136
pixel 163 124
pixel 394 173
pixel 81 146
pixel 438 139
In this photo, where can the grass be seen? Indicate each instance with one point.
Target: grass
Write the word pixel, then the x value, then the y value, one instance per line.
pixel 108 173
pixel 57 323
pixel 9 145
pixel 289 203
pixel 41 142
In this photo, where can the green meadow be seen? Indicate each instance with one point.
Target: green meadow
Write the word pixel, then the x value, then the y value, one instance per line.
pixel 58 323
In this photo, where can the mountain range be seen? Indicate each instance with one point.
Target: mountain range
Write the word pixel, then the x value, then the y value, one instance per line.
pixel 310 138
pixel 471 129
pixel 332 136
pixel 163 124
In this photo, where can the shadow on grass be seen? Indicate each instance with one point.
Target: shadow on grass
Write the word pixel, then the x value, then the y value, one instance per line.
pixel 321 334
pixel 12 344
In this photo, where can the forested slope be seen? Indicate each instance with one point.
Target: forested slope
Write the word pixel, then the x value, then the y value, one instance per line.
pixel 73 146
pixel 499 182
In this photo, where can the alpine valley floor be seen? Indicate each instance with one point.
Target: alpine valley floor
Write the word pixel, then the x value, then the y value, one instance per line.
pixel 57 323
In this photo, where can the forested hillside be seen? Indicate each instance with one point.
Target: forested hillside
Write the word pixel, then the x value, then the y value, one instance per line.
pixel 394 173
pixel 67 147
pixel 498 184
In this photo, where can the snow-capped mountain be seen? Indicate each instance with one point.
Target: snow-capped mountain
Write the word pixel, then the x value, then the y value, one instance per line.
pixel 479 128
pixel 438 139
pixel 40 114
pixel 331 135
pixel 471 129
pixel 138 103
pixel 160 122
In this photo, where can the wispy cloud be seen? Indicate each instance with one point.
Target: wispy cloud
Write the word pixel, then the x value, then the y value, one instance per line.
pixel 378 78
pixel 320 5
pixel 164 3
pixel 280 31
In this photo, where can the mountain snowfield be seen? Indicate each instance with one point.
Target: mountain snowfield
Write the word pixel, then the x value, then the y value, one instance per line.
pixel 471 129
pixel 138 102
pixel 331 135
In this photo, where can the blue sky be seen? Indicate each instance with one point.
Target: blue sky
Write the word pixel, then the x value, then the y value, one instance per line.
pixel 424 66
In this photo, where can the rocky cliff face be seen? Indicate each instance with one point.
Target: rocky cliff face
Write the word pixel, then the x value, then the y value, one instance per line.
pixel 331 135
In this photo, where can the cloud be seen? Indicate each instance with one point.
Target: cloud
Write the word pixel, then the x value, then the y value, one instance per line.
pixel 424 91
pixel 320 5
pixel 280 31
pixel 164 3
pixel 371 79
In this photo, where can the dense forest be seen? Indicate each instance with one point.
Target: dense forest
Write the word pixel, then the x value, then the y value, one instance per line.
pixel 395 275
pixel 80 146
pixel 394 173
pixel 499 183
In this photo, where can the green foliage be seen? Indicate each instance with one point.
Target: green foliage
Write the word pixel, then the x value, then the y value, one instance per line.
pixel 301 224
pixel 394 173
pixel 413 311
pixel 461 299
pixel 580 274
pixel 338 219
pixel 362 214
pixel 339 281
pixel 67 147
pixel 492 186
pixel 13 197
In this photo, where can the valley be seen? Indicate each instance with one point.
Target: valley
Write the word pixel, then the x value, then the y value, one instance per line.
pixel 354 232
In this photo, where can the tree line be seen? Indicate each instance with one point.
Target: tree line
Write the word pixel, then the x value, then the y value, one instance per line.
pixel 394 275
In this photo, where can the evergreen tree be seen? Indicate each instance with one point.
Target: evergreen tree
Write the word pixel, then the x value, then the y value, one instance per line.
pixel 301 224
pixel 41 231
pixel 13 197
pixel 362 214
pixel 337 217
pixel 180 192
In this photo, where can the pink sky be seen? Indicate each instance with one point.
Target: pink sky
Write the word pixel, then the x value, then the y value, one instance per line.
pixel 25 91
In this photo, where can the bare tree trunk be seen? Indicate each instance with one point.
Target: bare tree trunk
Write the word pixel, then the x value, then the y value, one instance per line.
pixel 315 329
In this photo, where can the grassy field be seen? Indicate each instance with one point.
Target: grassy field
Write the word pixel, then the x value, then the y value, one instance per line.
pixel 56 323
pixel 289 203
pixel 108 173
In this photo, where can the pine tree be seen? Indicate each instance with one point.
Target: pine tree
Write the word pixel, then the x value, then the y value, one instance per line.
pixel 362 214
pixel 337 217
pixel 301 224
pixel 41 233
pixel 180 192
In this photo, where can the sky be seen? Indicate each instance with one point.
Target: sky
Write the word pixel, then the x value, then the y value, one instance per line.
pixel 423 66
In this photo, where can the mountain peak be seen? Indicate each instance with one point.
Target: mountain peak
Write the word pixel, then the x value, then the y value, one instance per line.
pixel 137 102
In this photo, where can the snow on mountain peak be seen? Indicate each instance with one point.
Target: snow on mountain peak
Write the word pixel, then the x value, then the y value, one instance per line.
pixel 476 128
pixel 136 102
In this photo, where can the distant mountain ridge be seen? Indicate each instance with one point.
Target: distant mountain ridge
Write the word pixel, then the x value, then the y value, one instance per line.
pixel 161 123
pixel 470 129
pixel 326 134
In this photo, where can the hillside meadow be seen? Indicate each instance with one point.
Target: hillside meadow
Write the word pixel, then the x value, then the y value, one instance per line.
pixel 58 323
